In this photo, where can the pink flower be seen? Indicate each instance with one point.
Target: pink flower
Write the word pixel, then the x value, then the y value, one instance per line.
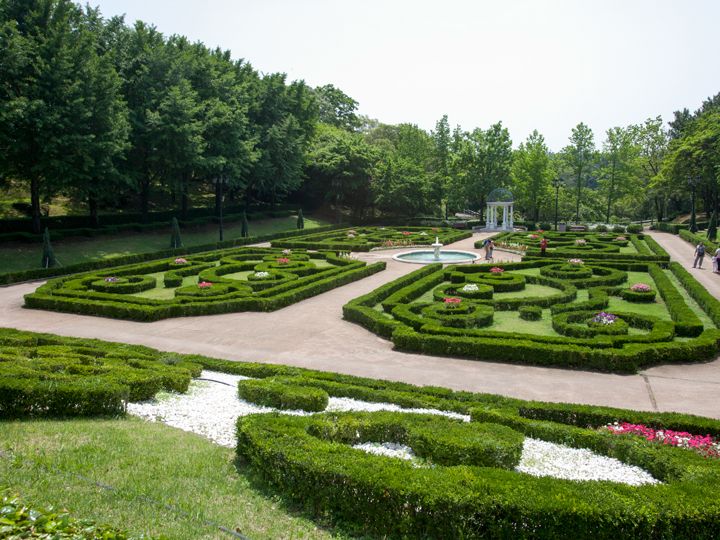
pixel 180 260
pixel 205 285
pixel 640 287
pixel 496 270
pixel 283 260
pixel 406 233
pixel 703 444
pixel 452 300
pixel 576 262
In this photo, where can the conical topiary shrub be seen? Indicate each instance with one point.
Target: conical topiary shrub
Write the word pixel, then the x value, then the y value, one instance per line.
pixel 48 256
pixel 300 220
pixel 712 227
pixel 244 226
pixel 175 240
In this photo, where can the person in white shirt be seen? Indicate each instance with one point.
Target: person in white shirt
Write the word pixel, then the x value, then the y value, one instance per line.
pixel 716 261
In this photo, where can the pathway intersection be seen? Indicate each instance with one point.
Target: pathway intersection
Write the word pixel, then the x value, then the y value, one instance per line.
pixel 312 334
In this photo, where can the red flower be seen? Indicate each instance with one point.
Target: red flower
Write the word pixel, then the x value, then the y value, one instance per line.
pixel 204 284
pixel 283 260
pixel 406 233
pixel 496 270
pixel 452 300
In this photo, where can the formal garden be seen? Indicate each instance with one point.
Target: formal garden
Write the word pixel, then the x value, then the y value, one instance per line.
pixel 368 457
pixel 243 279
pixel 619 308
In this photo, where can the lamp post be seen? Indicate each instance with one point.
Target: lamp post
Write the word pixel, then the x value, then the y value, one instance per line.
pixel 220 183
pixel 557 182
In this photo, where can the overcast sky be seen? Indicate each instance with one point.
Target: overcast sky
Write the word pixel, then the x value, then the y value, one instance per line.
pixel 534 64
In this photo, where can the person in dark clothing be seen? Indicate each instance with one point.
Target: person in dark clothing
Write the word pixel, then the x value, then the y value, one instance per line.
pixel 699 255
pixel 543 246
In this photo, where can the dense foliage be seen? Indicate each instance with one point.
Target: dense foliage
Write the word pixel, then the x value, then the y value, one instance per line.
pixel 118 117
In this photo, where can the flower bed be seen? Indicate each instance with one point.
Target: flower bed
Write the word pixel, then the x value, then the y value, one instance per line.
pixel 401 311
pixel 639 292
pixel 244 279
pixel 367 238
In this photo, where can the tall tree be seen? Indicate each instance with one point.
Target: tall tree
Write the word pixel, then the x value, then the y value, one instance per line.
pixel 579 155
pixel 620 153
pixel 336 108
pixel 653 141
pixel 532 174
pixel 43 49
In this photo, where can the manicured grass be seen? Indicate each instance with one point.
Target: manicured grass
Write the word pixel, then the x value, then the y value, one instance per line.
pixel 700 312
pixel 142 460
pixel 510 321
pixel 16 256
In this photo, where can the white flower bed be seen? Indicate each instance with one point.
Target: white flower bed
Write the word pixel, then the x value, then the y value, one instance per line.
pixel 211 409
pixel 542 458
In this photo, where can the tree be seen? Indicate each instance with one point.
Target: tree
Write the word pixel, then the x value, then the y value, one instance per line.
pixel 620 160
pixel 441 159
pixel 44 51
pixel 531 174
pixel 401 188
pixel 339 168
pixel 336 108
pixel 175 239
pixel 653 144
pixel 300 220
pixel 579 155
pixel 176 130
pixel 48 255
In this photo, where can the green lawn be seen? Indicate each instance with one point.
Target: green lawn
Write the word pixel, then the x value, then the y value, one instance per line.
pixel 16 256
pixel 142 460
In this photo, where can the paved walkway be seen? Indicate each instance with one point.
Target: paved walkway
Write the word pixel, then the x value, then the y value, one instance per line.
pixel 313 334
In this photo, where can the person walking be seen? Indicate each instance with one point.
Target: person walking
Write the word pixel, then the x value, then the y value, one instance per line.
pixel 716 261
pixel 491 247
pixel 699 255
pixel 543 246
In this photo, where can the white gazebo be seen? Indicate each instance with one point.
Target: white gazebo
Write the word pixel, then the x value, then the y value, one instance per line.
pixel 498 199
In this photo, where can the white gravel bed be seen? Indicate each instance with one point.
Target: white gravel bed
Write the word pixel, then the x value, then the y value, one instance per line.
pixel 211 409
pixel 542 458
pixel 349 404
pixel 394 450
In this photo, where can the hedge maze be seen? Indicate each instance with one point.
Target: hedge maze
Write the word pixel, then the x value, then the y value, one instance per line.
pixel 617 310
pixel 242 279
pixel 587 245
pixel 50 376
pixel 367 238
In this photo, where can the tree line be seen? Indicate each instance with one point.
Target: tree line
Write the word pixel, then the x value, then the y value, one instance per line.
pixel 113 115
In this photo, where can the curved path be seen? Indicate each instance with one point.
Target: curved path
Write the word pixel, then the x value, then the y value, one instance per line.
pixel 312 334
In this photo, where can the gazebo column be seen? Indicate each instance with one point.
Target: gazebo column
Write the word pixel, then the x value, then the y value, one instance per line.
pixel 488 210
pixel 510 221
pixel 504 225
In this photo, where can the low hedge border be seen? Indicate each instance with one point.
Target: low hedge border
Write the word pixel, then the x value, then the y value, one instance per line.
pixel 283 395
pixel 530 313
pixel 71 294
pixel 9 278
pixel 390 312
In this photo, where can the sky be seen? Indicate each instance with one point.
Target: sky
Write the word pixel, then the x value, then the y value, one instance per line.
pixel 542 64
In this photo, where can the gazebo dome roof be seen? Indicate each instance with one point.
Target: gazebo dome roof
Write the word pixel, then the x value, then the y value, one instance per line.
pixel 500 195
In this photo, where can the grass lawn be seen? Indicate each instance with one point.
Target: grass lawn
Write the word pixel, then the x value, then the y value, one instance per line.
pixel 16 256
pixel 142 460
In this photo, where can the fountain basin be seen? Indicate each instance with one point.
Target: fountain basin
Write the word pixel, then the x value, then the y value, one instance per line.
pixel 445 256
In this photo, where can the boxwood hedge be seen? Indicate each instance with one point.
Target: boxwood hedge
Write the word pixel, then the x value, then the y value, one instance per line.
pixel 367 238
pixel 398 311
pixel 50 376
pixel 287 278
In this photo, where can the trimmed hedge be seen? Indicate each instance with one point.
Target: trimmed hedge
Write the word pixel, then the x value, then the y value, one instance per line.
pixel 367 238
pixel 397 311
pixel 530 313
pixel 58 377
pixel 299 279
pixel 283 395
pixel 97 264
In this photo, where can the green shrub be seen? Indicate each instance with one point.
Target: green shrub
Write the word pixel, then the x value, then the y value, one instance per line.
pixel 546 226
pixel 601 228
pixel 76 378
pixel 638 296
pixel 530 313
pixel 283 395
pixel 18 520
pixel 299 279
pixel 634 228
pixel 618 229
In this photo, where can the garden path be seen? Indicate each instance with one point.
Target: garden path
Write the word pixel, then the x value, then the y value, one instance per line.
pixel 312 334
pixel 683 252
